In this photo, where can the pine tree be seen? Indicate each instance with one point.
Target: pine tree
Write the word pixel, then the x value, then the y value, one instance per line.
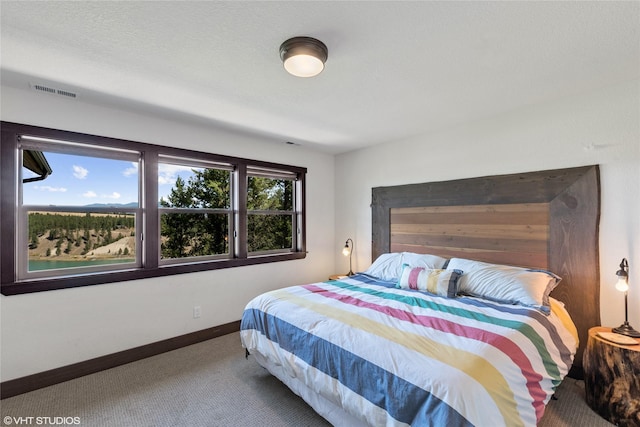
pixel 186 234
pixel 34 240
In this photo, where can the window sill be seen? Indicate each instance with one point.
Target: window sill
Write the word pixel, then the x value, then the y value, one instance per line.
pixel 50 284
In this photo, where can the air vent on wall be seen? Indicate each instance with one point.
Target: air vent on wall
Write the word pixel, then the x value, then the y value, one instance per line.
pixel 53 91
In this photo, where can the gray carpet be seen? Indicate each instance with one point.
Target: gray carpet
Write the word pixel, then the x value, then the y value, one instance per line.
pixel 210 384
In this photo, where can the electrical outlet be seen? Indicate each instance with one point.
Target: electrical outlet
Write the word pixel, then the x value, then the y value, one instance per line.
pixel 197 312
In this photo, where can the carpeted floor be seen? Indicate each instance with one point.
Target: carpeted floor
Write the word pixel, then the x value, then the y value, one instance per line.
pixel 208 384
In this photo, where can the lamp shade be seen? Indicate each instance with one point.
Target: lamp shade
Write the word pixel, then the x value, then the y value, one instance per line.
pixel 348 251
pixel 303 56
pixel 622 285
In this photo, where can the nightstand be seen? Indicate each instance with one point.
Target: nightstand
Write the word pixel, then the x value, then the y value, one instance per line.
pixel 337 276
pixel 612 379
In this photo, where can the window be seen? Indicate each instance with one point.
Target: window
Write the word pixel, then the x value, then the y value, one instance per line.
pixel 195 209
pixel 271 221
pixel 87 210
pixel 81 217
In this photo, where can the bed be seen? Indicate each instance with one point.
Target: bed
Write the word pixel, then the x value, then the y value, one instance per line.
pixel 475 308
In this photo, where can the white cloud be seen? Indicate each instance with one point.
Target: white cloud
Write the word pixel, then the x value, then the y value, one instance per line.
pixel 167 174
pixel 132 171
pixel 50 188
pixel 80 172
pixel 114 195
pixel 92 194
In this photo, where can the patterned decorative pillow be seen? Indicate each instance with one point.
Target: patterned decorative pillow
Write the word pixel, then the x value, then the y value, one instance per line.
pixel 435 281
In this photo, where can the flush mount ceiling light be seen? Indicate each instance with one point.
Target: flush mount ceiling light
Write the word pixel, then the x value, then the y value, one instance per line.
pixel 303 56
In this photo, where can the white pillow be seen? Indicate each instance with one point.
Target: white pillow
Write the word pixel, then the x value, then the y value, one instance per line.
pixel 422 260
pixel 386 267
pixel 505 284
pixel 389 266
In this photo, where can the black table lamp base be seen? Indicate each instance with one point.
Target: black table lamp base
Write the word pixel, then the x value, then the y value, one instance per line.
pixel 626 329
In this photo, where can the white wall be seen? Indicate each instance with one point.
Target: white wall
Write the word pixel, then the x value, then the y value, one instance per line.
pixel 602 128
pixel 51 329
pixel 46 330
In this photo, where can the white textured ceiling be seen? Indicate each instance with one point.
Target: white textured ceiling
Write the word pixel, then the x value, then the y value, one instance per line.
pixel 395 69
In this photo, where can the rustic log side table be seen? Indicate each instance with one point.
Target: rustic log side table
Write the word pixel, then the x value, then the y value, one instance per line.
pixel 612 379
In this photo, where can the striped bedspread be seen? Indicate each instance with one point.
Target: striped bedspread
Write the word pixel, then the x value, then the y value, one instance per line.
pixel 394 357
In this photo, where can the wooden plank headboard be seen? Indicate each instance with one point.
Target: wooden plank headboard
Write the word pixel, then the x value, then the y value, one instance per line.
pixel 547 219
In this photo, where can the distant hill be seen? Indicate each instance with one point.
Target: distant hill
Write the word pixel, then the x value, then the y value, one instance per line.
pixel 112 205
pixel 75 235
pixel 80 245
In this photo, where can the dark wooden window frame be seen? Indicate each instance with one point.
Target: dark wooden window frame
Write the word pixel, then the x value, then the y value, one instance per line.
pixel 151 268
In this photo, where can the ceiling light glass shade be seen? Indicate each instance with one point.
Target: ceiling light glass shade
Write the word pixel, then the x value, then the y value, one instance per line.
pixel 303 65
pixel 303 56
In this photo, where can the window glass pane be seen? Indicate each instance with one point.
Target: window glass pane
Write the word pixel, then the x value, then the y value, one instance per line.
pixel 67 240
pixel 194 234
pixel 269 232
pixel 190 187
pixel 72 180
pixel 269 194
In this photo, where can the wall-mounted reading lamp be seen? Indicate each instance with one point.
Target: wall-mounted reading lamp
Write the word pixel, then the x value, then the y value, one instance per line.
pixel 622 285
pixel 348 251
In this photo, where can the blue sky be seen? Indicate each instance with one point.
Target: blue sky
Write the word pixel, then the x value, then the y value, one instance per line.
pixel 79 181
